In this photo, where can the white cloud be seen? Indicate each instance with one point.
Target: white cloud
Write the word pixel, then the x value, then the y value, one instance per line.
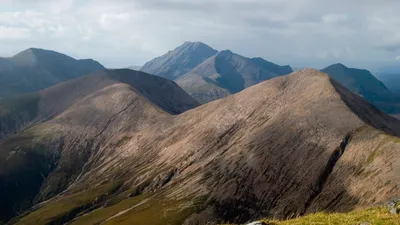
pixel 398 57
pixel 119 32
pixel 334 18
pixel 13 33
pixel 111 21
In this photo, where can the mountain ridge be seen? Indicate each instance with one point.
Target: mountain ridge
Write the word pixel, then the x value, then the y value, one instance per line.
pixel 362 82
pixel 279 148
pixel 35 69
pixel 227 73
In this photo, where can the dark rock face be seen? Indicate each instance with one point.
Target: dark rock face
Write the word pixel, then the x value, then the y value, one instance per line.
pixel 179 61
pixel 365 84
pixel 36 69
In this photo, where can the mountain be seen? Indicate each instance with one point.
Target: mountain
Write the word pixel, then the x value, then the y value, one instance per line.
pixel 36 69
pixel 365 84
pixel 48 153
pixel 391 80
pixel 289 146
pixel 177 62
pixel 227 73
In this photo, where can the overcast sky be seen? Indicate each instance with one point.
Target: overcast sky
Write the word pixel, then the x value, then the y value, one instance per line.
pixel 118 33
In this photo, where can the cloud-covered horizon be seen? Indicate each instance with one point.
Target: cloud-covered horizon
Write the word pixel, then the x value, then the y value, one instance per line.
pixel 118 33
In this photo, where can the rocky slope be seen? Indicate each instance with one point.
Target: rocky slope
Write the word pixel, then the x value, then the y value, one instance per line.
pixel 285 147
pixel 27 110
pixel 179 61
pixel 35 69
pixel 45 157
pixel 365 84
pixel 227 73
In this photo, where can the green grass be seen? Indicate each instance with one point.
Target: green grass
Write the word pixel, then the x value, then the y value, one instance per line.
pixel 374 216
pixel 159 211
pixel 57 209
pixel 102 214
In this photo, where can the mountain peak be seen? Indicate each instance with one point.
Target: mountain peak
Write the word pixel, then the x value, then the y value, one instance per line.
pixel 179 61
pixel 32 56
pixel 339 65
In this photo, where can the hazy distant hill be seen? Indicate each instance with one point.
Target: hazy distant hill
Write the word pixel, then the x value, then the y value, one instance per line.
pixel 391 80
pixel 177 62
pixel 36 69
pixel 227 73
pixel 365 84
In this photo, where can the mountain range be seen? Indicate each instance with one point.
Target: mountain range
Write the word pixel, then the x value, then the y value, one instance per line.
pixel 224 73
pixel 89 145
pixel 132 148
pixel 57 138
pixel 207 74
pixel 35 69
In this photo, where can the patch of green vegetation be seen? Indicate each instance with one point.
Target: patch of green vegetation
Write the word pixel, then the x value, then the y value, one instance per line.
pixel 27 102
pixel 65 206
pixel 372 156
pixel 375 216
pixel 102 214
pixel 159 211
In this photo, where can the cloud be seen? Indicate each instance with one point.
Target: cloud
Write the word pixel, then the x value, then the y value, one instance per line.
pixel 334 18
pixel 398 58
pixel 126 32
pixel 13 33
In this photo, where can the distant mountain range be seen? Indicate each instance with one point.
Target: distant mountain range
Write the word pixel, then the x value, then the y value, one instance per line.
pixel 35 69
pixel 212 75
pixel 207 74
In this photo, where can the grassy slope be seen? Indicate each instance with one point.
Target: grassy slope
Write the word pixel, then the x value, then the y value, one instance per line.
pixel 116 207
pixel 63 207
pixel 374 216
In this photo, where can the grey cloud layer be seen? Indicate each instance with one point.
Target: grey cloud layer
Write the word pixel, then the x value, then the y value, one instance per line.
pixel 122 32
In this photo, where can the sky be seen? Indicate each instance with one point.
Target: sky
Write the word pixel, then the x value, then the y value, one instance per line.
pixel 120 33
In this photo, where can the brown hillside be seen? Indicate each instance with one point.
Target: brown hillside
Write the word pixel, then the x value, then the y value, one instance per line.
pixel 285 147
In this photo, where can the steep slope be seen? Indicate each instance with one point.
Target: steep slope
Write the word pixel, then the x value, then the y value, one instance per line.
pixel 36 69
pixel 26 110
pixel 44 158
pixel 365 84
pixel 288 146
pixel 227 73
pixel 177 62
